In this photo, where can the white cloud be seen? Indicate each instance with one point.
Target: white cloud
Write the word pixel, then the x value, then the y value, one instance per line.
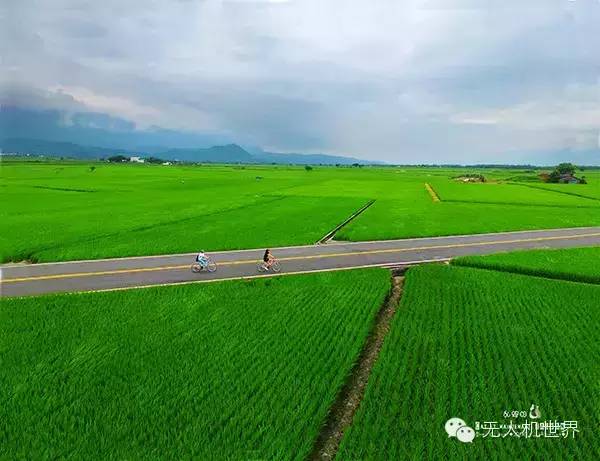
pixel 111 104
pixel 576 107
pixel 538 115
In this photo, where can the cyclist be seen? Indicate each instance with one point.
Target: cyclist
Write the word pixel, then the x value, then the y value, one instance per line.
pixel 202 259
pixel 268 259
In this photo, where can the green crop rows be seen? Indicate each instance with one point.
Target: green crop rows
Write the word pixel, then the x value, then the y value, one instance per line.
pixel 54 211
pixel 233 370
pixel 136 211
pixel 576 264
pixel 472 343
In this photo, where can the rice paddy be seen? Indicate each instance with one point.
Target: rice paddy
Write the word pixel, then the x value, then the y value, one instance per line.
pixel 576 264
pixel 473 344
pixel 59 211
pixel 251 369
pixel 231 370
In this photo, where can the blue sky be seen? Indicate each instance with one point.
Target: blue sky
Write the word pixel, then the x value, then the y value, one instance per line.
pixel 400 81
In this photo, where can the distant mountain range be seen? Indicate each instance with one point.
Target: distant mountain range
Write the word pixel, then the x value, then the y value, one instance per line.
pixel 313 159
pixel 229 153
pixel 89 135
pixel 23 146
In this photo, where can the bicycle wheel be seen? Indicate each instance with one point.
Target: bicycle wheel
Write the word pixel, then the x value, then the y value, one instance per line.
pixel 211 266
pixel 196 267
pixel 275 266
pixel 261 266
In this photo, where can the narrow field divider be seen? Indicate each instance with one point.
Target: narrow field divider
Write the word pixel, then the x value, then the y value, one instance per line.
pixel 331 233
pixel 434 196
pixel 518 204
pixel 532 272
pixel 348 400
pixel 571 193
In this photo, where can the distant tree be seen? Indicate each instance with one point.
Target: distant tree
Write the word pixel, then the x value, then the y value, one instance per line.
pixel 155 160
pixel 117 159
pixel 566 168
pixel 554 176
pixel 308 167
pixel 561 170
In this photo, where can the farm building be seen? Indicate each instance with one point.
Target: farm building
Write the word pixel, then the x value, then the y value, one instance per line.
pixel 565 178
pixel 569 179
pixel 136 159
pixel 470 178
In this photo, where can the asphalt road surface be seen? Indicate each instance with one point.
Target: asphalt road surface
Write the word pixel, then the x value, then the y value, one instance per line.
pixel 106 274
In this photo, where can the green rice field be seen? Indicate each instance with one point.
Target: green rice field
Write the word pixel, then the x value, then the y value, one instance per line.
pixel 251 369
pixel 63 210
pixel 576 264
pixel 472 344
pixel 230 370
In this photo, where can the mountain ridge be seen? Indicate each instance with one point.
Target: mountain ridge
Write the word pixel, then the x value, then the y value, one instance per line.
pixel 227 153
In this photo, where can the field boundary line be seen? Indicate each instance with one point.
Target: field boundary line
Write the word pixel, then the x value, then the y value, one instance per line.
pixel 560 276
pixel 434 196
pixel 327 237
pixel 572 194
pixel 542 205
pixel 341 413
pixel 63 189
pixel 295 258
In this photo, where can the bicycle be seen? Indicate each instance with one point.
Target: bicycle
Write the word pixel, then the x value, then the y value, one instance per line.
pixel 209 266
pixel 262 266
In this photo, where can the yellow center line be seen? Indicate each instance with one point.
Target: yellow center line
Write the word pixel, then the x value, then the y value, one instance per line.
pixel 295 258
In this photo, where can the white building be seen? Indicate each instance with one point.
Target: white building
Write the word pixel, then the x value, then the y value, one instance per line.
pixel 136 159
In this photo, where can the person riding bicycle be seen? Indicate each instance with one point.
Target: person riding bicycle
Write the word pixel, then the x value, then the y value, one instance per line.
pixel 268 258
pixel 202 259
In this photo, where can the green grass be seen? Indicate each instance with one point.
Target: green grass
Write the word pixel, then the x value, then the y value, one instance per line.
pixel 273 221
pixel 231 370
pixel 576 264
pixel 508 193
pixel 471 343
pixel 138 210
pixel 63 210
pixel 390 219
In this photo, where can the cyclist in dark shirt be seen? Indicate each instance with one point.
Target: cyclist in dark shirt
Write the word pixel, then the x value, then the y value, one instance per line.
pixel 268 258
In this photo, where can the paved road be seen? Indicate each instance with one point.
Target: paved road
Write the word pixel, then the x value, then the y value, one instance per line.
pixel 33 279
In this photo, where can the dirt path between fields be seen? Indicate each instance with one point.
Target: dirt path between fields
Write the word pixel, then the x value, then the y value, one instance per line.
pixel 348 400
pixel 434 196
pixel 329 236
